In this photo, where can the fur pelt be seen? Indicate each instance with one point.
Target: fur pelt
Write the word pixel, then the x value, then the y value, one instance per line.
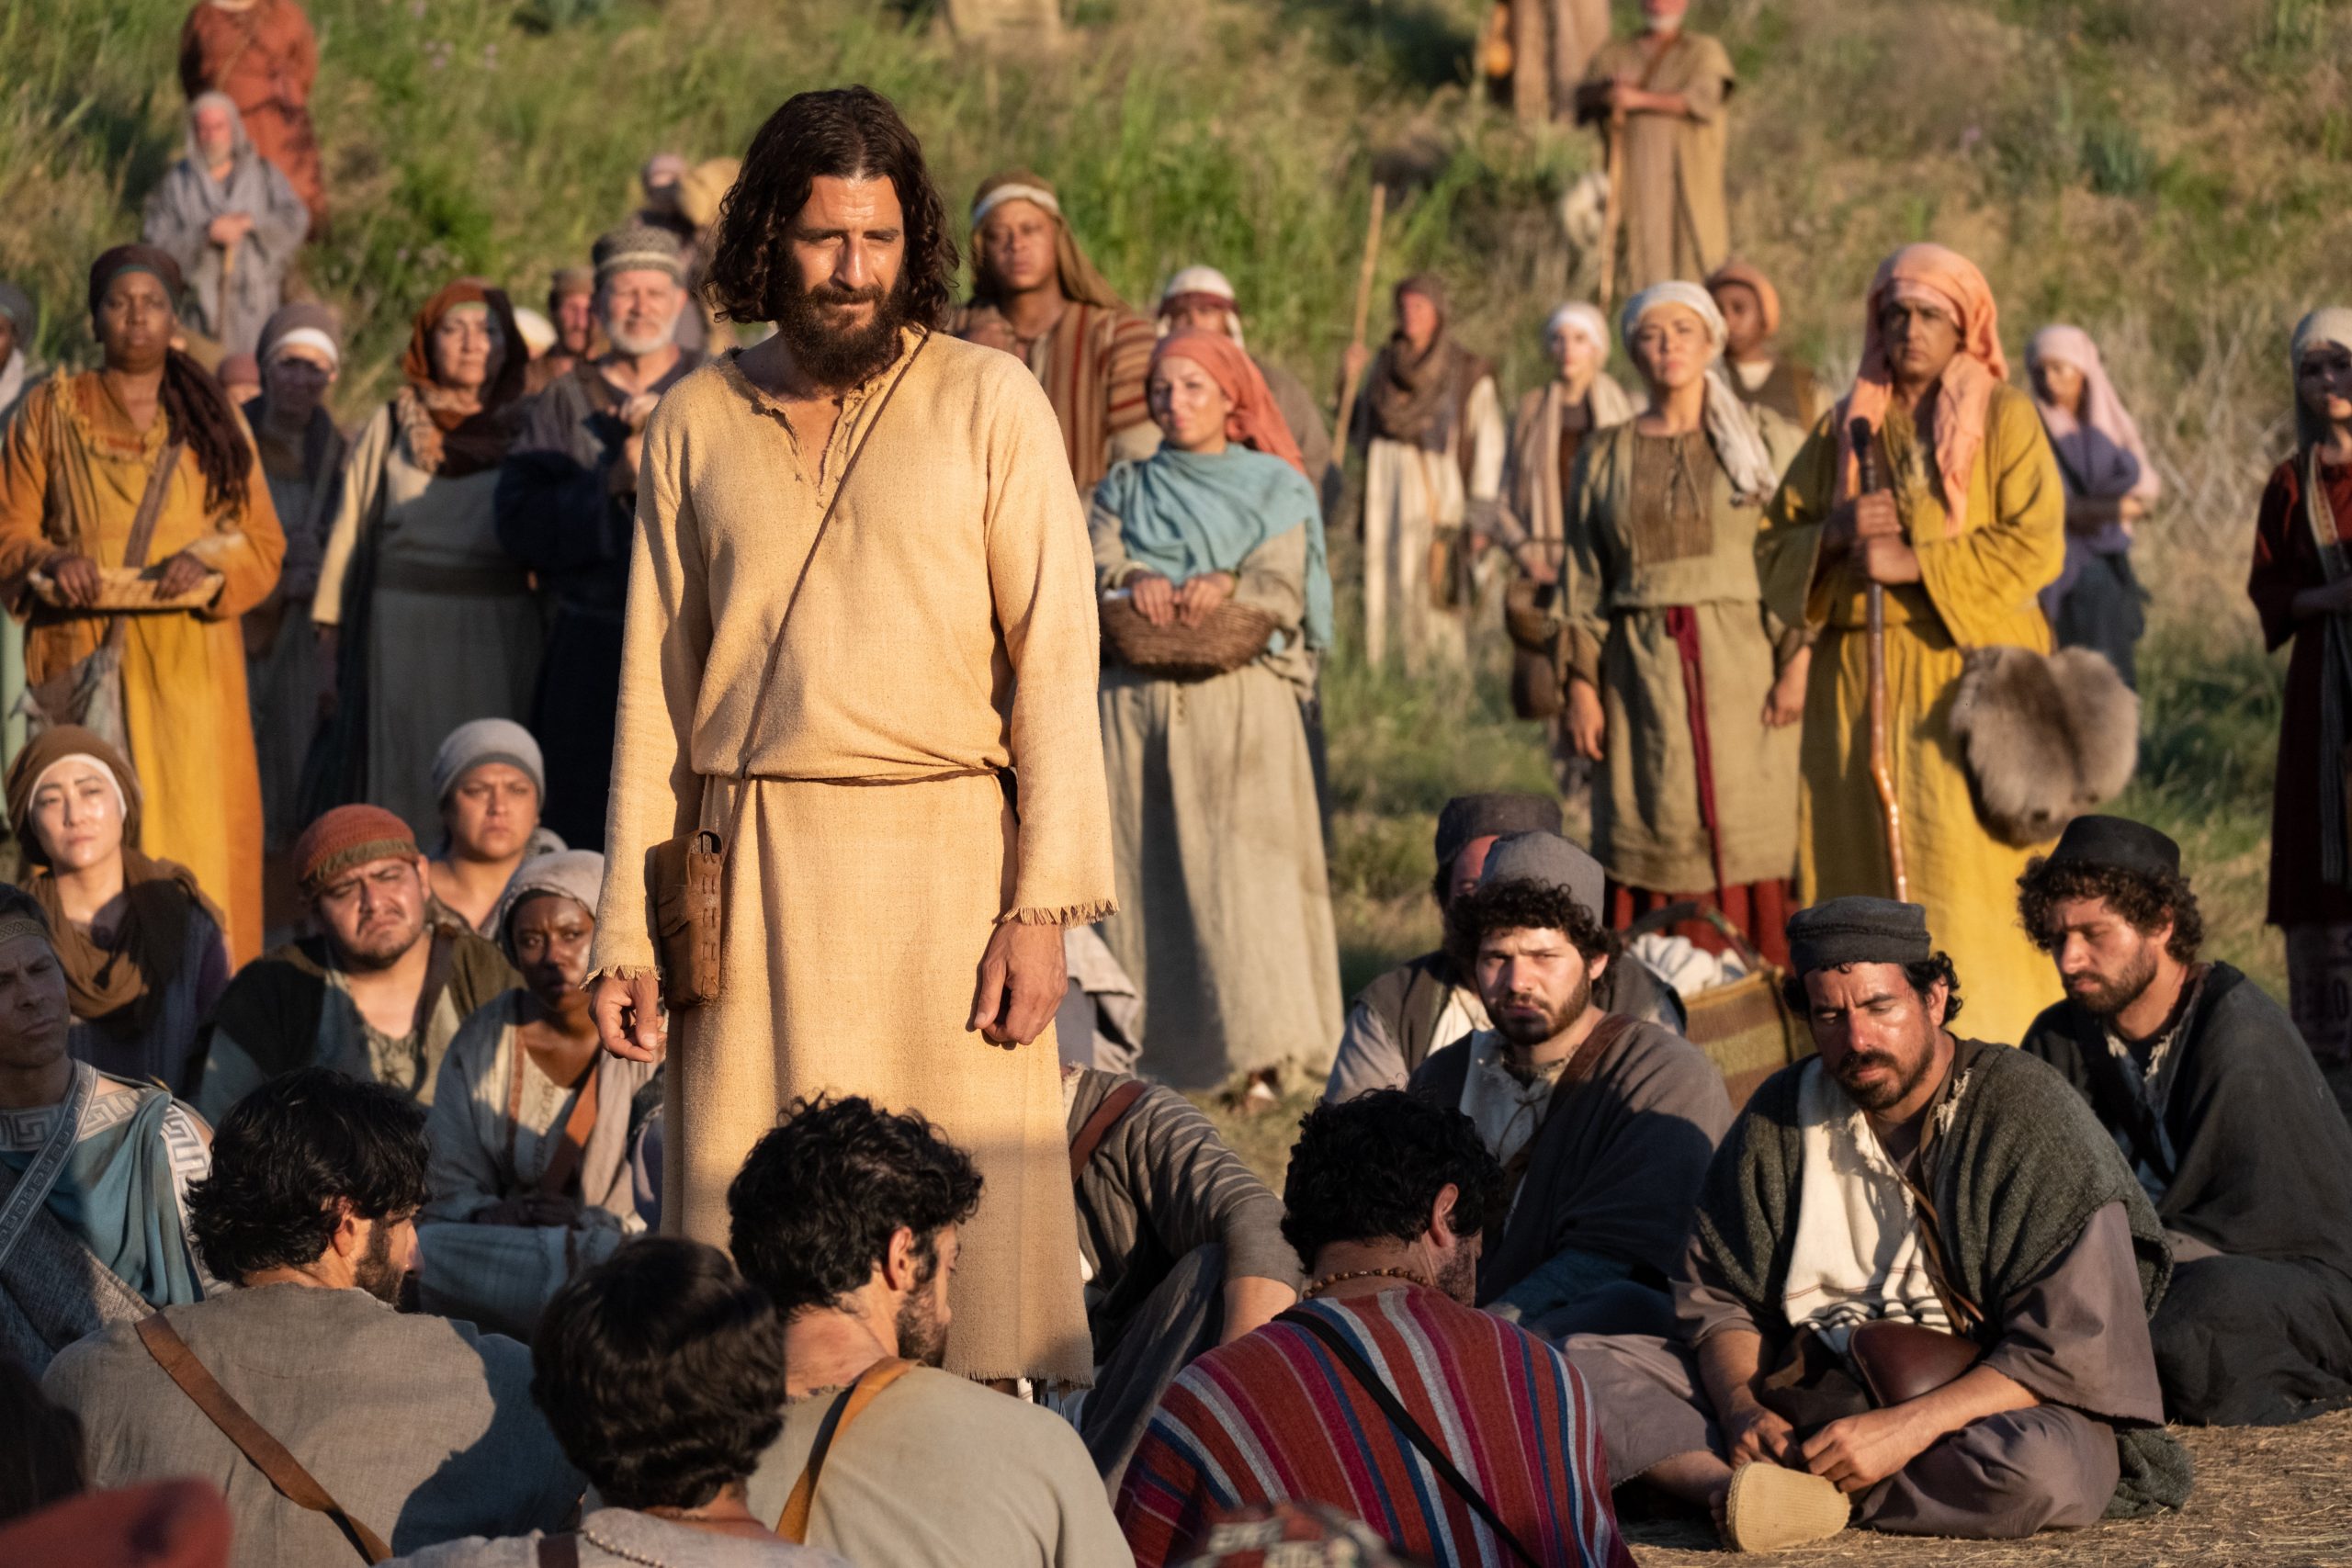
pixel 2044 739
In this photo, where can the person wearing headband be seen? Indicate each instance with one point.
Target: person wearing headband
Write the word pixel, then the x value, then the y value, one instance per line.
pixel 1965 527
pixel 567 509
pixel 175 706
pixel 2215 1102
pixel 1663 92
pixel 1683 690
pixel 1089 351
pixel 1917 1288
pixel 99 1236
pixel 229 218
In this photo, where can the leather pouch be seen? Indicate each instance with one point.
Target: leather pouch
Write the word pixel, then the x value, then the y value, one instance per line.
pixel 1897 1362
pixel 684 876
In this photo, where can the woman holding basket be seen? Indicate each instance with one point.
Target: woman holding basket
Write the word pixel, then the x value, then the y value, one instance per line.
pixel 1216 601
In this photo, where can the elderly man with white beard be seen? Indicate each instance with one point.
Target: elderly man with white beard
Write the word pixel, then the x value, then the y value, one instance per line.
pixel 567 504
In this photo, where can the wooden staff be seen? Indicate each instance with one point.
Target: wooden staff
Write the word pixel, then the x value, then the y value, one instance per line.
pixel 1612 207
pixel 1874 598
pixel 1363 307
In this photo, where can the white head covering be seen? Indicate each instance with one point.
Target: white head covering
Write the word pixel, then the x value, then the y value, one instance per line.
pixel 1202 280
pixel 1037 195
pixel 1739 445
pixel 539 332
pixel 1585 319
pixel 576 874
pixel 2328 324
pixel 121 801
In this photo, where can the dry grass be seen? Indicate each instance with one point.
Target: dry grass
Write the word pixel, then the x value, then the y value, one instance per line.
pixel 2265 1495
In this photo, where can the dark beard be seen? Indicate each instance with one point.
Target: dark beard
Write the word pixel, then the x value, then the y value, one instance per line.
pixel 1459 1280
pixel 1892 1092
pixel 374 1272
pixel 834 357
pixel 920 1339
pixel 2105 1000
pixel 1528 1036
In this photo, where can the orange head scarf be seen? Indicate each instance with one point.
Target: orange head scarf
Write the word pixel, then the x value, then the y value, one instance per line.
pixel 1254 422
pixel 466 443
pixel 1768 299
pixel 1951 281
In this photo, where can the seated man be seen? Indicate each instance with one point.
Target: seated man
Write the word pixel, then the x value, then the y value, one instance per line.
pixel 1803 1376
pixel 846 1216
pixel 378 994
pixel 421 1428
pixel 2217 1105
pixel 1603 1126
pixel 532 1123
pixel 94 1169
pixel 1427 1003
pixel 1181 1244
pixel 1389 1198
pixel 661 1373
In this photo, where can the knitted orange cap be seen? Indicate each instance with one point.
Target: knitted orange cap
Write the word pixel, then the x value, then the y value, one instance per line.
pixel 345 837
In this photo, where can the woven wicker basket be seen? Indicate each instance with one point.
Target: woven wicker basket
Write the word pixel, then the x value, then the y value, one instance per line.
pixel 1230 636
pixel 1745 1026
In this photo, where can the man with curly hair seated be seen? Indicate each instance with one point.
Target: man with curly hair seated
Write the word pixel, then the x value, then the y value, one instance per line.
pixel 2221 1111
pixel 1603 1123
pixel 421 1428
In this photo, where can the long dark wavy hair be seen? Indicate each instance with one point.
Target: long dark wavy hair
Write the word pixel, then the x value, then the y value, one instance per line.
pixel 845 133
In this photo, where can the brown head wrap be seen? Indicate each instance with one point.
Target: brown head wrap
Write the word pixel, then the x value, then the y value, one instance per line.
pixel 448 440
pixel 1768 299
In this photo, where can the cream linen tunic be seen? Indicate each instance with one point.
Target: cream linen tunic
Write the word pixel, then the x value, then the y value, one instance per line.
pixel 945 637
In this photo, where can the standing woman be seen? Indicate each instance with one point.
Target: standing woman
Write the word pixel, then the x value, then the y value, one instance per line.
pixel 1682 685
pixel 427 621
pixel 81 456
pixel 1225 914
pixel 2111 484
pixel 302 455
pixel 141 946
pixel 2302 587
pixel 1554 423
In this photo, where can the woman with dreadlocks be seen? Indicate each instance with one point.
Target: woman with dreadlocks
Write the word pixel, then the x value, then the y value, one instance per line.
pixel 134 518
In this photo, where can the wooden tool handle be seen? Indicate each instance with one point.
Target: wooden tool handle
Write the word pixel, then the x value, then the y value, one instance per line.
pixel 1868 482
pixel 1363 309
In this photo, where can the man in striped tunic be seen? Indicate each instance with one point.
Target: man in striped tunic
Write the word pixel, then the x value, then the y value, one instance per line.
pixel 1457 1438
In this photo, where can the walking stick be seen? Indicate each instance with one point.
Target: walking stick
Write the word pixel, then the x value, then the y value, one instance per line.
pixel 1363 308
pixel 1874 598
pixel 1613 208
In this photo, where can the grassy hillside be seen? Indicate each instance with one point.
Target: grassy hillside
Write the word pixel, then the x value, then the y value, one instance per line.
pixel 2168 173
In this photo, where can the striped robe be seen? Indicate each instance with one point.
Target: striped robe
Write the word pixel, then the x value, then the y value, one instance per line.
pixel 1092 365
pixel 1272 1418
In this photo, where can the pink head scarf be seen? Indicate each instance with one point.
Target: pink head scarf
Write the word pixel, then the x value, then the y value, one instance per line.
pixel 1951 280
pixel 1254 422
pixel 2097 466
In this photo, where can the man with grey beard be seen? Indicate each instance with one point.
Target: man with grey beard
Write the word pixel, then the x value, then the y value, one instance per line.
pixel 567 502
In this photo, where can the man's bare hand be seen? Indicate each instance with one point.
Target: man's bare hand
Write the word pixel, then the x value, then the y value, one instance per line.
pixel 1886 558
pixel 1022 977
pixel 628 1016
pixel 1858 1451
pixel 1753 1435
pixel 76 578
pixel 1863 517
pixel 1154 596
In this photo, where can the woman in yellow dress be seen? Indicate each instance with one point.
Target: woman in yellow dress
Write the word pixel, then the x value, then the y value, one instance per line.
pixel 80 457
pixel 1971 527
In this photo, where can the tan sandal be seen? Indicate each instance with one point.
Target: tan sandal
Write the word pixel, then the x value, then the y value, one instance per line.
pixel 1770 1507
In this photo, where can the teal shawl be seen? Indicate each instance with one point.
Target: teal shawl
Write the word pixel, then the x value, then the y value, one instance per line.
pixel 116 1194
pixel 1183 513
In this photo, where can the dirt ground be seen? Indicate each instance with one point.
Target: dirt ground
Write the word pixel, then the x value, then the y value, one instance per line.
pixel 2265 1495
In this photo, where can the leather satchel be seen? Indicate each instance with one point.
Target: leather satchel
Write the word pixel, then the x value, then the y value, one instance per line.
pixel 1897 1362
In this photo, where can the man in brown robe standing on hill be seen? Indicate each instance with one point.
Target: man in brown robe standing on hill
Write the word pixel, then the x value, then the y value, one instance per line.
pixel 1088 349
pixel 839 666
pixel 1663 94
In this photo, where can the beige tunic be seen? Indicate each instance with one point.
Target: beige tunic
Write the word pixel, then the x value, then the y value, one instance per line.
pixel 1626 570
pixel 454 634
pixel 856 916
pixel 1676 221
pixel 1411 496
pixel 1225 905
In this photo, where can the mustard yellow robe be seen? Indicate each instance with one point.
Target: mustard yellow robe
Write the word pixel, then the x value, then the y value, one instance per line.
pixel 1974 591
pixel 183 671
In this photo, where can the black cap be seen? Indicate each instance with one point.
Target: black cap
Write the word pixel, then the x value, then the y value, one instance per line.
pixel 1468 817
pixel 2117 841
pixel 1857 930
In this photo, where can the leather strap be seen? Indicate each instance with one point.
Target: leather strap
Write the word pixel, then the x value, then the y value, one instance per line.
pixel 571 1146
pixel 1107 1115
pixel 268 1455
pixel 1402 1419
pixel 847 1406
pixel 559 1550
